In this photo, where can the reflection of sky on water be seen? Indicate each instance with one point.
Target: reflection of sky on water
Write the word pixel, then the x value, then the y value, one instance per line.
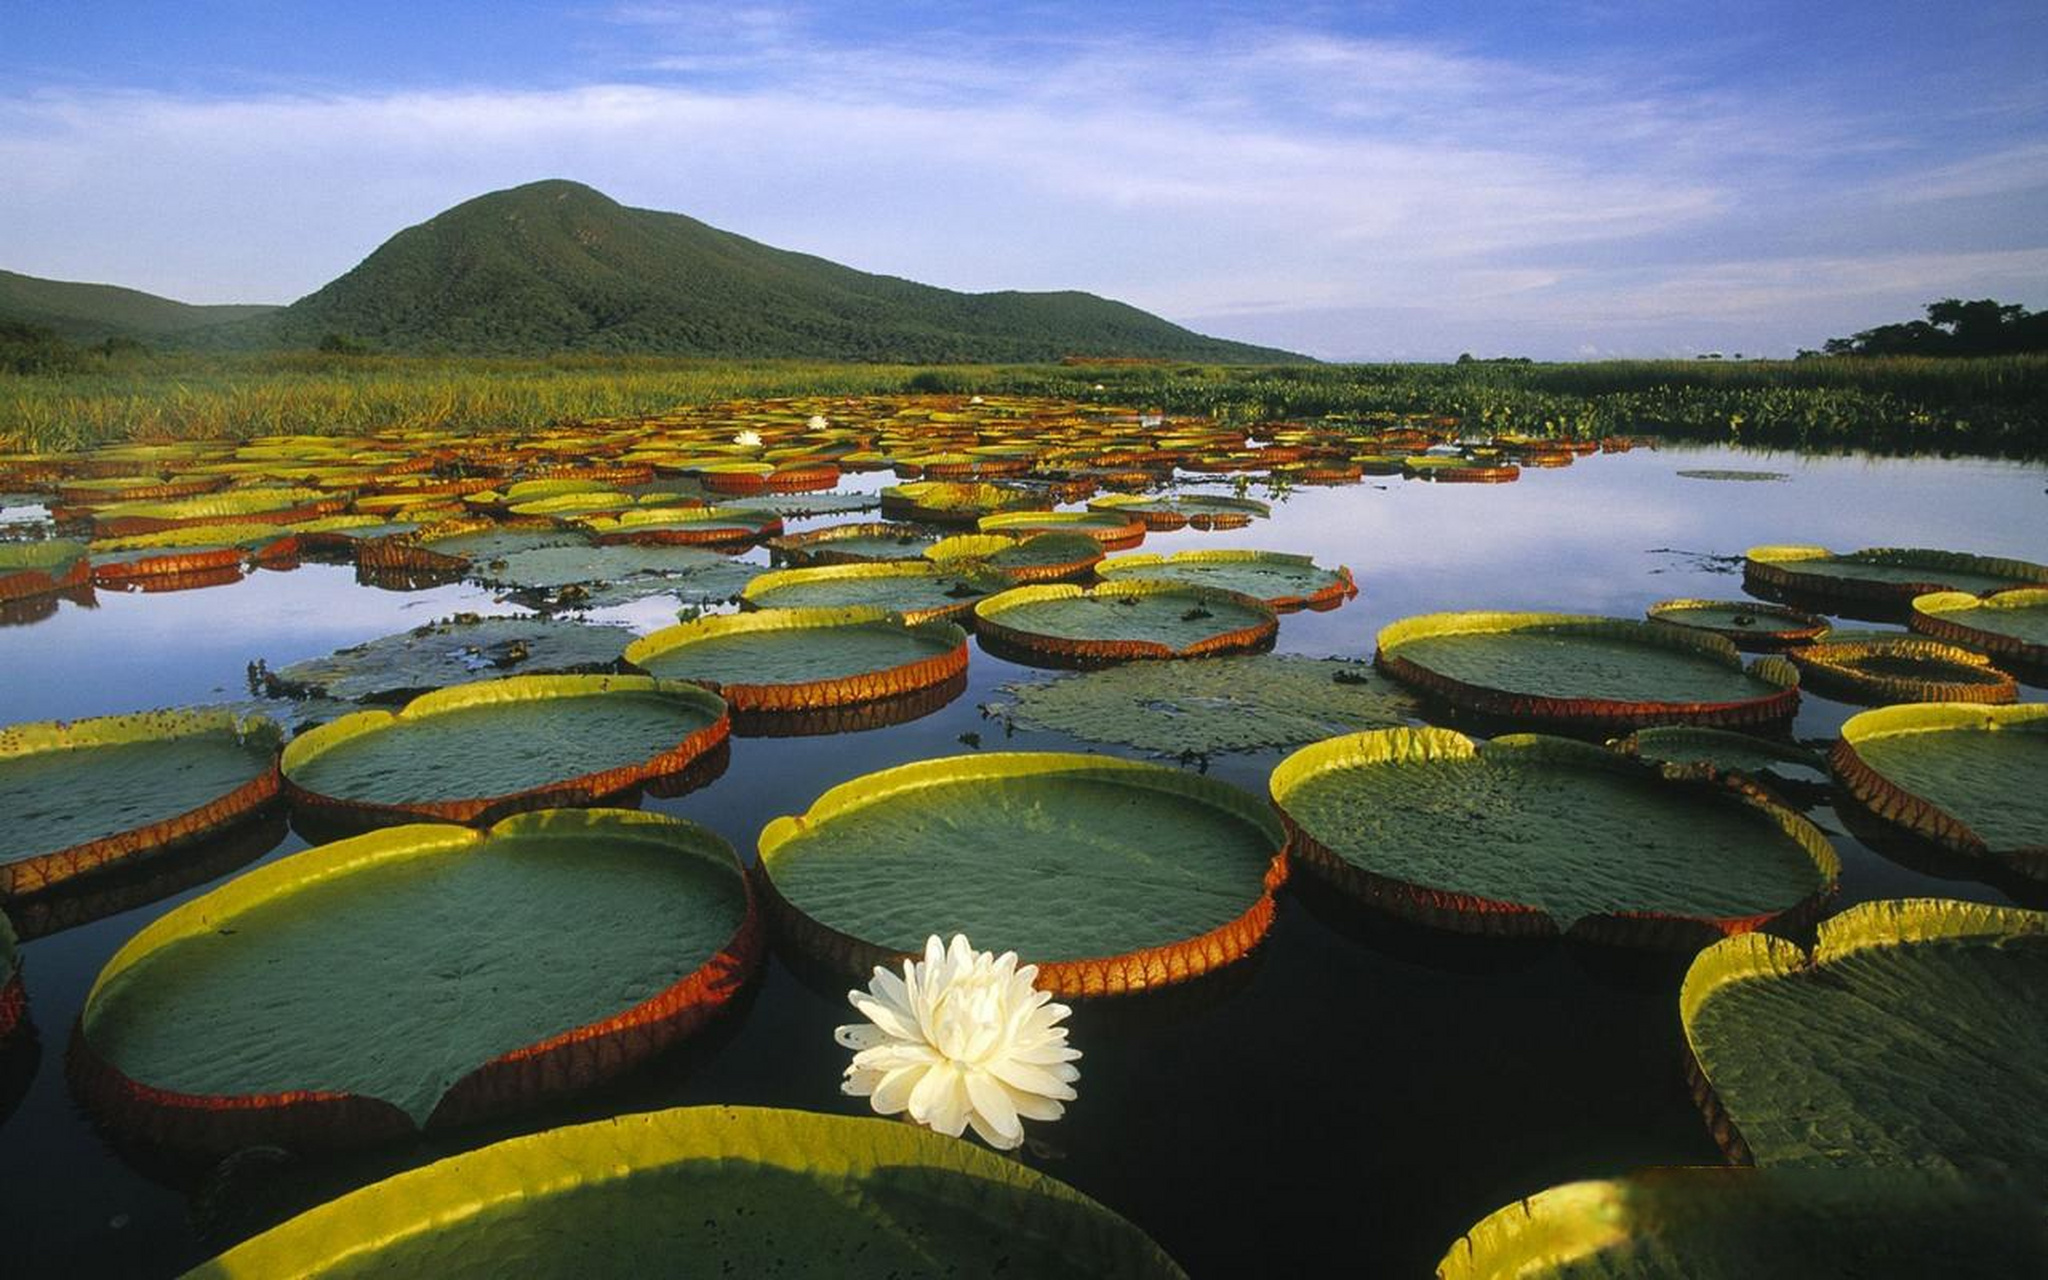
pixel 1383 1105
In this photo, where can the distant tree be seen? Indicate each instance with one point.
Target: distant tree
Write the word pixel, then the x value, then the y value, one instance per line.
pixel 29 348
pixel 340 344
pixel 1953 327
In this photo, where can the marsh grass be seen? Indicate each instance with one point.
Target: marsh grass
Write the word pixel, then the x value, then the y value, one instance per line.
pixel 1990 406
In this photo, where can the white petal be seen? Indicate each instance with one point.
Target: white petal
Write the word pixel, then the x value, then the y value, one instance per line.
pixel 860 1035
pixel 892 1093
pixel 1030 1079
pixel 992 1103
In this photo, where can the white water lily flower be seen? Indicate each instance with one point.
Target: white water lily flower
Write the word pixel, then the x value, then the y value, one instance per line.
pixel 961 1039
pixel 816 422
pixel 751 439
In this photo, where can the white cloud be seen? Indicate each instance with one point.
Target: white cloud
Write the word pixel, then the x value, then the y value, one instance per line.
pixel 1256 179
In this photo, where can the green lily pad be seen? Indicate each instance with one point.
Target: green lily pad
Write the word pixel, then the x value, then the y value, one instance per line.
pixel 1202 510
pixel 1242 703
pixel 804 659
pixel 1577 669
pixel 724 525
pixel 769 1192
pixel 854 543
pixel 1110 875
pixel 1281 580
pixel 485 547
pixel 458 649
pixel 1718 751
pixel 1120 621
pixel 1044 557
pixel 398 966
pixel 1886 573
pixel 1748 624
pixel 1111 529
pixel 83 794
pixel 2010 626
pixel 497 746
pixel 1738 1224
pixel 1532 834
pixel 917 589
pixel 1900 668
pixel 1966 777
pixel 590 576
pixel 794 505
pixel 1909 1038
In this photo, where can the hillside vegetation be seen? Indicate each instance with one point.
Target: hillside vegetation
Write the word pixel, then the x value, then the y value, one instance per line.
pixel 95 312
pixel 555 266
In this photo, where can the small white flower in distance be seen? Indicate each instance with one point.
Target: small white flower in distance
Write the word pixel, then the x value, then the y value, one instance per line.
pixel 751 439
pixel 975 400
pixel 961 1038
pixel 816 422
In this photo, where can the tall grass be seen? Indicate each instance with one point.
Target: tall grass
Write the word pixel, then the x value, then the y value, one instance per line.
pixel 1991 406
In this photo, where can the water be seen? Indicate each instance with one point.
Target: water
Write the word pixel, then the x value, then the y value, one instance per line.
pixel 1353 1091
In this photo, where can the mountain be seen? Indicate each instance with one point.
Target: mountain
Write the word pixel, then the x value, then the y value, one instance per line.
pixel 556 266
pixel 93 312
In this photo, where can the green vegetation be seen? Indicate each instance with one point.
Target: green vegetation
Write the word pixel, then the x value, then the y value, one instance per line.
pixel 1952 328
pixel 92 313
pixel 1994 405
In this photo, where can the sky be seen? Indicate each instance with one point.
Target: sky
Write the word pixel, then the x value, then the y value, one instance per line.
pixel 1356 181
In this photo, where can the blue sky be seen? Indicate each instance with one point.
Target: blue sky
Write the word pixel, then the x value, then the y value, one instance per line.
pixel 1354 181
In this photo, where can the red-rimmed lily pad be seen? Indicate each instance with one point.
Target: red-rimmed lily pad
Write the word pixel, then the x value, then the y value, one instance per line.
pixel 1580 671
pixel 1536 836
pixel 1746 623
pixel 768 1192
pixel 787 660
pixel 862 543
pixel 479 752
pixel 1900 668
pixel 918 590
pixel 1122 621
pixel 420 976
pixel 85 795
pixel 32 569
pixel 1282 580
pixel 1044 557
pixel 1885 575
pixel 1908 1038
pixel 2011 627
pixel 1111 875
pixel 1965 777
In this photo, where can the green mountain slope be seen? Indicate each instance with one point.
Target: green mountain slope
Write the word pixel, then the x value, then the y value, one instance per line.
pixel 556 266
pixel 91 312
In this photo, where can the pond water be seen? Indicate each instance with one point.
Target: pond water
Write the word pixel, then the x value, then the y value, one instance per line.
pixel 1355 1090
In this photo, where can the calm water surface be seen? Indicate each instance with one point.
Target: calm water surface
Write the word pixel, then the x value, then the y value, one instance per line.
pixel 1353 1090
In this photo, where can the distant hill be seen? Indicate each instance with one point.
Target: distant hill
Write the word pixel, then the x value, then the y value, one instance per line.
pixel 94 312
pixel 557 266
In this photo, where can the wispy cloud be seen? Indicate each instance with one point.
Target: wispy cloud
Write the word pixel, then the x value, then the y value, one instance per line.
pixel 1265 180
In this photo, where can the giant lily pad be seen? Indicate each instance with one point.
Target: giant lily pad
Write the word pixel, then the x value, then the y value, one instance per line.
pixel 30 569
pixel 1967 778
pixel 1117 622
pixel 1242 703
pixel 1581 671
pixel 2012 626
pixel 1201 510
pixel 947 502
pixel 1784 767
pixel 768 1192
pixel 686 526
pixel 461 648
pixel 782 660
pixel 1281 580
pixel 421 975
pixel 1892 575
pixel 1532 835
pixel 587 576
pixel 1738 1224
pixel 918 590
pixel 794 505
pixel 1113 529
pixel 1110 875
pixel 1909 1037
pixel 872 540
pixel 1747 624
pixel 1044 557
pixel 1900 668
pixel 477 752
pixel 84 795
